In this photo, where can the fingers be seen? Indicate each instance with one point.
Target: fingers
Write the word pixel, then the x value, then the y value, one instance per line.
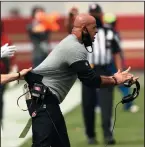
pixel 135 78
pixel 25 71
pixel 6 44
pixel 129 77
pixel 126 71
pixel 132 79
pixel 118 71
pixel 11 54
pixel 29 69
pixel 13 47
pixel 129 68
pixel 12 50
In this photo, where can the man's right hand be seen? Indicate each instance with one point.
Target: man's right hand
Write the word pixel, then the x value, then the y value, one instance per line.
pixel 122 77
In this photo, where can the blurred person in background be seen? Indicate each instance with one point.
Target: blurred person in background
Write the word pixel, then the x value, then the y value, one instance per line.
pixel 4 66
pixel 6 51
pixel 110 21
pixel 9 51
pixel 71 17
pixel 39 33
pixel 106 48
pixel 39 37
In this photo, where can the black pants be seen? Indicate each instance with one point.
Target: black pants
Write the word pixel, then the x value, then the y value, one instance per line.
pixel 43 129
pixel 105 99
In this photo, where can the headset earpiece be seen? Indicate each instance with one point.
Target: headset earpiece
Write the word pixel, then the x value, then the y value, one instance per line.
pixel 127 99
pixel 134 94
pixel 134 91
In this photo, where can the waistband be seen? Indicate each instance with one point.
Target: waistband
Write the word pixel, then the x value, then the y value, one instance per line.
pixel 32 78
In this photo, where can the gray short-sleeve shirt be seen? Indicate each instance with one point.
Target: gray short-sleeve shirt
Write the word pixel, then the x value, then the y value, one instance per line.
pixel 55 68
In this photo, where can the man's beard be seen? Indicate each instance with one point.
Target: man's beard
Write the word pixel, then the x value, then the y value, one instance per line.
pixel 87 41
pixel 86 38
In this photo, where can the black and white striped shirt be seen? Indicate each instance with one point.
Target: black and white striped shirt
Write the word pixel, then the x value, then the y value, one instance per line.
pixel 105 45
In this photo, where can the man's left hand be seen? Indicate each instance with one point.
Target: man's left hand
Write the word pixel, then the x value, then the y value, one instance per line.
pixel 122 77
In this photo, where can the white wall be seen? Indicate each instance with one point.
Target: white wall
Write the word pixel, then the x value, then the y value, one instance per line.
pixel 115 7
pixel 63 7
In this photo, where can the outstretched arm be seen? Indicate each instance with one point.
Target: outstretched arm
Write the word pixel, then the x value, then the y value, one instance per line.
pixel 89 77
pixel 5 78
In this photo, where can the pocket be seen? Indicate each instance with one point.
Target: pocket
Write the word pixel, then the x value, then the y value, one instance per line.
pixel 40 116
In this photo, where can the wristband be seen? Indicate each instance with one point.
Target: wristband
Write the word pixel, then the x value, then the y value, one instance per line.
pixel 19 76
pixel 116 83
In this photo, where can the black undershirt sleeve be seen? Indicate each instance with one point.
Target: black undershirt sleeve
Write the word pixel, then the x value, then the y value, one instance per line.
pixel 86 74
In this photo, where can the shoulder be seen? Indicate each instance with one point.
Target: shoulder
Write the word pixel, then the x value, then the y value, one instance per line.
pixel 71 43
pixel 78 48
pixel 75 49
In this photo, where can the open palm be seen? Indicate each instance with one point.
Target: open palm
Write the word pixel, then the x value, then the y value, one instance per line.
pixel 122 77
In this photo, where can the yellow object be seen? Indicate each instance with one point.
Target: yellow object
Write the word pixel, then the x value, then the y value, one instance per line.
pixel 109 18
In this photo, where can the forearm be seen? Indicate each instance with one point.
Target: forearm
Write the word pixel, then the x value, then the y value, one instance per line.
pixel 107 80
pixel 5 78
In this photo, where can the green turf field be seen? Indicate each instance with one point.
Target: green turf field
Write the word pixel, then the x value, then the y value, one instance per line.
pixel 129 130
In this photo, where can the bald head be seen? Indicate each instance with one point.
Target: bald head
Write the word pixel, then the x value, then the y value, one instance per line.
pixel 84 25
pixel 83 20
